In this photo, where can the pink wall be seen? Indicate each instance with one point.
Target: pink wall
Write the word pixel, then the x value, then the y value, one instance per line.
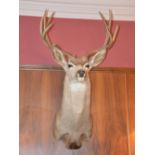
pixel 78 37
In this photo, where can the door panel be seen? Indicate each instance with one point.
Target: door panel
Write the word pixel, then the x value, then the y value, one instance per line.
pixel 112 107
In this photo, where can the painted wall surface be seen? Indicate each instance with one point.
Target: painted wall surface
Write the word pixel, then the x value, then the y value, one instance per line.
pixel 78 37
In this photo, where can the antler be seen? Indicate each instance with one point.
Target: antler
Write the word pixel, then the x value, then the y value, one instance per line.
pixel 110 37
pixel 45 25
pixel 98 55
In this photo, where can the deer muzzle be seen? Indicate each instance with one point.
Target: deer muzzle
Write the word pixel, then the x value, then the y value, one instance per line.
pixel 81 73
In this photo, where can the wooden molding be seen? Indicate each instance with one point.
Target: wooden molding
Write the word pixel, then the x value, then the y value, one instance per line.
pixel 56 68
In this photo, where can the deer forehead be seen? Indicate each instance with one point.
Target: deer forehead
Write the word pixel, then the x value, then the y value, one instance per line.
pixel 79 60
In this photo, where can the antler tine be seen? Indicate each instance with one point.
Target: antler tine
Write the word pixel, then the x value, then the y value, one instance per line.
pixel 49 25
pixel 115 33
pixel 45 16
pixel 41 25
pixel 109 36
pixel 108 27
pixel 50 18
pixel 45 25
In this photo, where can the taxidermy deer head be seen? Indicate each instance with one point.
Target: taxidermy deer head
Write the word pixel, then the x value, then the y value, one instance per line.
pixel 73 120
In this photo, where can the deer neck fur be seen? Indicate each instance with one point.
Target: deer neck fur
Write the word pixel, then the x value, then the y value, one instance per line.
pixel 76 95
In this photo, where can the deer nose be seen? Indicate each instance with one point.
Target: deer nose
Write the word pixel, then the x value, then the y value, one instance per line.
pixel 81 73
pixel 74 146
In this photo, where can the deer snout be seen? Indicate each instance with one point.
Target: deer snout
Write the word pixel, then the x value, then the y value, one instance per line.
pixel 81 73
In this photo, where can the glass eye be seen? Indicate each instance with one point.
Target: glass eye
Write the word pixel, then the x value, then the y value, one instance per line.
pixel 87 66
pixel 70 65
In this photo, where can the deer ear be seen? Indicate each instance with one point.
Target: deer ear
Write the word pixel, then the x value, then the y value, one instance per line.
pixel 96 58
pixel 59 56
